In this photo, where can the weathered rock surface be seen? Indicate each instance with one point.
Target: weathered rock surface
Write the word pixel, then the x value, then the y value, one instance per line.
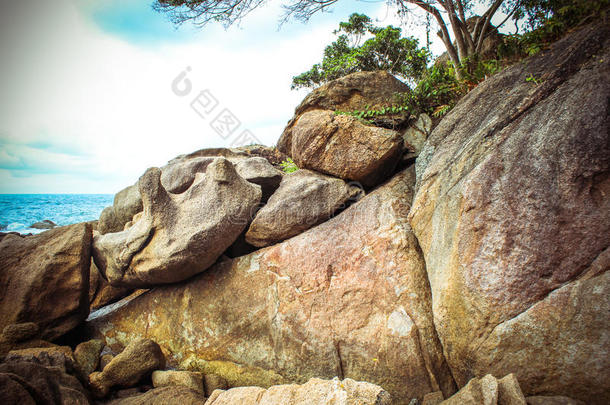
pixel 555 400
pixel 478 391
pixel 357 91
pixel 178 235
pixel 259 171
pixel 101 293
pixel 344 147
pixel 189 379
pixel 127 203
pixel 139 359
pixel 174 395
pixel 60 357
pixel 315 391
pixel 44 224
pixel 20 332
pixel 513 217
pixel 87 355
pixel 433 398
pixel 415 136
pixel 303 200
pixel 23 382
pixel 348 298
pixel 45 279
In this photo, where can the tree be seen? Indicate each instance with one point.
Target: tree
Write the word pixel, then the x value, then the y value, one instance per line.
pixel 385 50
pixel 462 46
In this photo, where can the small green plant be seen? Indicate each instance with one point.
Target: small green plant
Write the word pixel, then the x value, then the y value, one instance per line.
pixel 531 78
pixel 288 166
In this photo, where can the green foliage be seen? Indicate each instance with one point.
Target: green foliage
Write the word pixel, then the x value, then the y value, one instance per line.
pixel 288 166
pixel 548 20
pixel 386 49
pixel 533 79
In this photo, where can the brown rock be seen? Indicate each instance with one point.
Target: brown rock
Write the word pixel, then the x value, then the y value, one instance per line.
pixel 105 359
pixel 433 398
pixel 87 355
pixel 343 146
pixel 45 224
pixel 315 391
pixel 139 359
pixel 45 279
pixel 31 383
pixel 350 297
pixel 101 293
pixel 60 357
pixel 509 391
pixel 478 391
pixel 357 91
pixel 552 400
pixel 164 396
pixel 189 379
pixel 303 200
pixel 20 332
pixel 178 235
pixel 512 215
pixel 213 382
pixel 127 203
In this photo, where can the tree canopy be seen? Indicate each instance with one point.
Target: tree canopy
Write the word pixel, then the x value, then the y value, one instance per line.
pixel 386 49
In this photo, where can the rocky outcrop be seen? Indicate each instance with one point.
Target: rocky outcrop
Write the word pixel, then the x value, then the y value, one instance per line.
pixel 355 92
pixel 315 391
pixel 488 391
pixel 303 200
pixel 178 235
pixel 127 203
pixel 101 293
pixel 345 147
pixel 348 298
pixel 415 136
pixel 45 279
pixel 513 217
pixel 139 359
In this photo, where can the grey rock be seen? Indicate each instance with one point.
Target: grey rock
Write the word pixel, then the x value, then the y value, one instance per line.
pixel 303 200
pixel 178 235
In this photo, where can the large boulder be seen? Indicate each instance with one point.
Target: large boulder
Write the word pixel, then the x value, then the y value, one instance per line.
pixel 24 382
pixel 101 293
pixel 178 235
pixel 348 298
pixel 345 147
pixel 354 92
pixel 45 279
pixel 259 171
pixel 139 359
pixel 127 203
pixel 303 200
pixel 314 391
pixel 513 216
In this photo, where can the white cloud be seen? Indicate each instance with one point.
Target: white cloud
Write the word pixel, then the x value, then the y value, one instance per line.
pixel 104 107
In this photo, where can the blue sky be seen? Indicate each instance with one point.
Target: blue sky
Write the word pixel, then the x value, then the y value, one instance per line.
pixel 87 99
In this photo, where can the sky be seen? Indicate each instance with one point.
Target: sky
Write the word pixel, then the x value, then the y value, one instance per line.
pixel 95 92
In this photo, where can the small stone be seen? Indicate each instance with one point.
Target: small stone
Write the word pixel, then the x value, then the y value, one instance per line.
pixel 87 355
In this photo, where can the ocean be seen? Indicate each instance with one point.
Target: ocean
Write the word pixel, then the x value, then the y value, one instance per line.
pixel 19 211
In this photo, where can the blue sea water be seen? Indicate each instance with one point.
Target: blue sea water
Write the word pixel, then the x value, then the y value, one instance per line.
pixel 19 211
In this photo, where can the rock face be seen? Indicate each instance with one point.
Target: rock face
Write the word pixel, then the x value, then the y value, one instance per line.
pixel 178 235
pixel 45 279
pixel 513 217
pixel 23 382
pixel 315 391
pixel 348 298
pixel 127 203
pixel 139 359
pixel 101 293
pixel 87 355
pixel 486 391
pixel 164 396
pixel 344 147
pixel 303 200
pixel 356 91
